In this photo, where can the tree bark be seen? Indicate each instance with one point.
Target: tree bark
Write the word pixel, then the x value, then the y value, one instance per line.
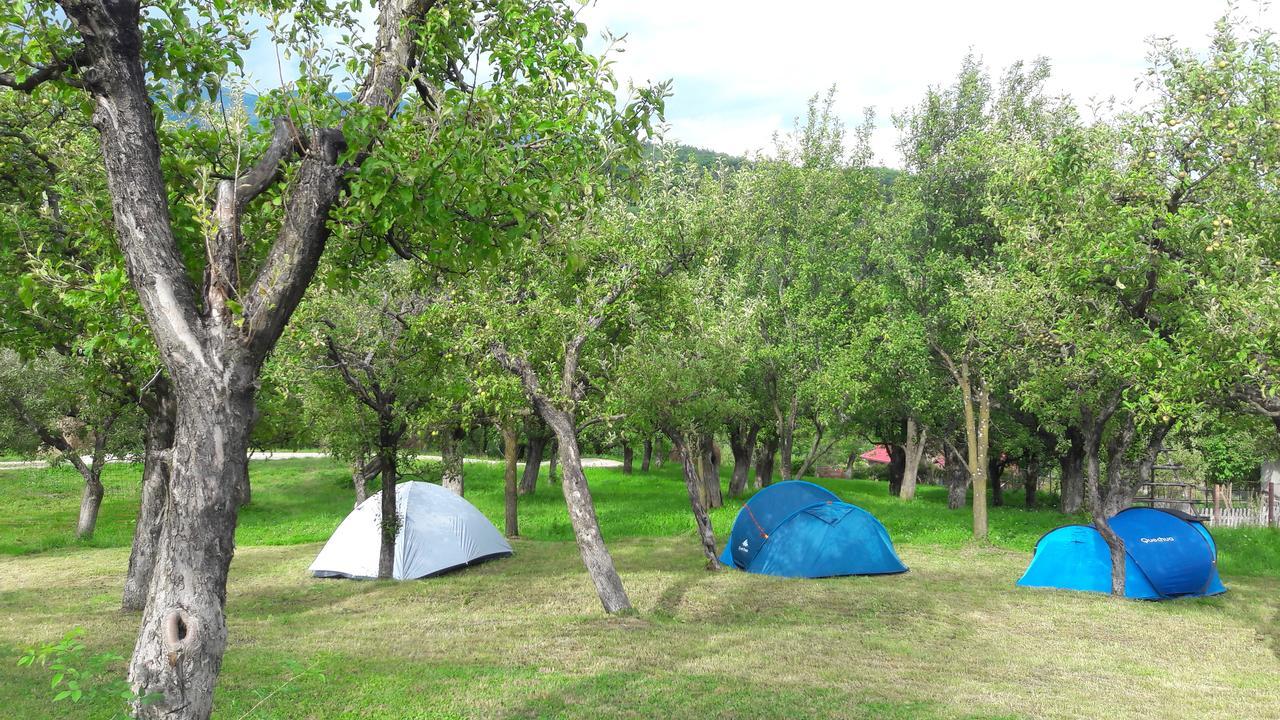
pixel 183 631
pixel 553 477
pixel 977 435
pixel 914 450
pixel 510 494
pixel 709 460
pixel 897 467
pixel 647 455
pixel 389 518
pixel 957 482
pixel 742 443
pixel 787 436
pixel 582 514
pixel 1072 465
pixel 1093 423
pixel 157 445
pixel 362 473
pixel 694 485
pixel 995 471
pixel 451 459
pixel 628 458
pixel 577 494
pixel 532 464
pixel 765 454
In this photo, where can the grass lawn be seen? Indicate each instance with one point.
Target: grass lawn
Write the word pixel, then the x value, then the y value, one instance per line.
pixel 524 637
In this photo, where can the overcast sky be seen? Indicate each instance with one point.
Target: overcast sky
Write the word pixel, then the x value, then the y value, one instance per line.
pixel 742 70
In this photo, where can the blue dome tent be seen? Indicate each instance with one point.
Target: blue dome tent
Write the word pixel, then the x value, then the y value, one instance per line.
pixel 798 529
pixel 1169 554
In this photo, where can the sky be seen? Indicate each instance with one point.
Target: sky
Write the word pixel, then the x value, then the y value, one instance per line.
pixel 743 70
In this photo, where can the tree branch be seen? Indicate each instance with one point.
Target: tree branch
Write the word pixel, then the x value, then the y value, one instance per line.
pixel 54 70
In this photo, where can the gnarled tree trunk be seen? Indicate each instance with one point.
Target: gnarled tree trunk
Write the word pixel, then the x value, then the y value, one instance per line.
pixel 213 354
pixel 647 455
pixel 157 444
pixel 183 633
pixel 628 458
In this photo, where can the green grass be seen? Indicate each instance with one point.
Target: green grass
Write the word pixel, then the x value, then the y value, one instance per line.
pixel 524 638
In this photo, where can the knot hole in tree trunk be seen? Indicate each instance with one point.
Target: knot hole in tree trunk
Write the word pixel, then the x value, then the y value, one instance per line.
pixel 180 630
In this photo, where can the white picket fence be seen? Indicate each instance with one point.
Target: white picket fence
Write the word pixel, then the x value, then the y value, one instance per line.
pixel 1238 517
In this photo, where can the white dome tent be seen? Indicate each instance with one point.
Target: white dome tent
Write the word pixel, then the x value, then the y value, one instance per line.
pixel 439 531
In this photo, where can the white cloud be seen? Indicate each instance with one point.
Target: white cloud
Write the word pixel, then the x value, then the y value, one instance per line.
pixel 741 68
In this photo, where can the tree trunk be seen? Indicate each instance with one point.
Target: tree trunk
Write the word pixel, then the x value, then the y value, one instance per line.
pixel 1091 429
pixel 957 483
pixel 388 455
pixel 451 459
pixel 157 445
pixel 183 632
pixel 90 502
pixel 897 467
pixel 577 494
pixel 848 464
pixel 1072 464
pixel 995 471
pixel 582 514
pixel 628 458
pixel 532 464
pixel 361 474
pixel 977 438
pixel 510 493
pixel 553 477
pixel 647 456
pixel 787 437
pixel 765 454
pixel 1031 481
pixel 694 485
pixel 914 450
pixel 742 443
pixel 213 356
pixel 709 456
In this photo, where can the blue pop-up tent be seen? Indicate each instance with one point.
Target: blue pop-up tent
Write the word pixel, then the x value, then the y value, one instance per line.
pixel 798 529
pixel 1169 554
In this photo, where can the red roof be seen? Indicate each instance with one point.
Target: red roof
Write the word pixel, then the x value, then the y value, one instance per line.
pixel 877 454
pixel 880 454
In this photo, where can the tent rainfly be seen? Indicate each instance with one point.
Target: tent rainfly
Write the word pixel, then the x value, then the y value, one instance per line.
pixel 1169 554
pixel 798 529
pixel 439 532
